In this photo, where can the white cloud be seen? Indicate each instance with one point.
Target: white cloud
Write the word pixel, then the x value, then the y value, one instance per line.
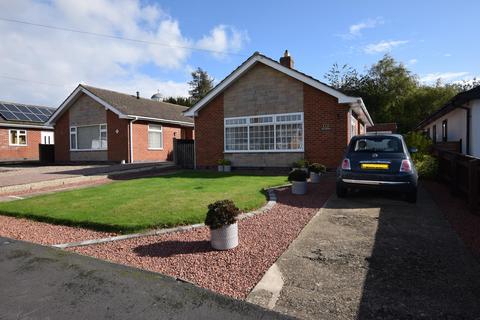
pixel 223 38
pixel 383 46
pixel 447 54
pixel 444 76
pixel 355 30
pixel 66 58
pixel 411 62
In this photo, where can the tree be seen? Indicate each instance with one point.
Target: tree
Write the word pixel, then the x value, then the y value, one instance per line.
pixel 200 84
pixel 183 101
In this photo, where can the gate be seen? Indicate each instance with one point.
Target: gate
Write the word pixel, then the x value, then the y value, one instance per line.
pixel 184 153
pixel 46 153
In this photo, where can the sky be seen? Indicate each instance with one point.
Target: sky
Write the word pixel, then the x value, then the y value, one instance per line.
pixel 38 65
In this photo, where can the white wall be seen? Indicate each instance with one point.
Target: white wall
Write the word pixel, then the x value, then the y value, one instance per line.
pixel 456 127
pixel 475 128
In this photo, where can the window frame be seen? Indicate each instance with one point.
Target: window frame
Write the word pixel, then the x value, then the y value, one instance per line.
pixel 155 130
pixel 74 131
pixel 18 132
pixel 445 130
pixel 248 123
pixel 434 133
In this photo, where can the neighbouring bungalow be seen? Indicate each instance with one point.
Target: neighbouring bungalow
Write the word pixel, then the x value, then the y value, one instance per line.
pixel 22 129
pixel 268 114
pixel 95 124
pixel 458 121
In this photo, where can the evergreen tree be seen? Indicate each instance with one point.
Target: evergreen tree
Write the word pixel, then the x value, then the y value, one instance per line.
pixel 183 101
pixel 200 84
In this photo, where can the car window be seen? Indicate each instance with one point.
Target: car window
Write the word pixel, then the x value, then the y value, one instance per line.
pixel 377 144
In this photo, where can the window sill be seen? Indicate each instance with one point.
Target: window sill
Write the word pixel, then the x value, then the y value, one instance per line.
pixel 83 150
pixel 264 151
pixel 18 145
pixel 155 149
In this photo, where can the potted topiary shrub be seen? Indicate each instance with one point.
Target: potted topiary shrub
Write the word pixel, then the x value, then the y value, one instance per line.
pixel 298 178
pixel 220 165
pixel 222 220
pixel 301 164
pixel 316 170
pixel 227 165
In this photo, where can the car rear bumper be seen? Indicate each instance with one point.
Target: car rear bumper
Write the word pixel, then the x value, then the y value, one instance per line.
pixel 394 182
pixel 375 182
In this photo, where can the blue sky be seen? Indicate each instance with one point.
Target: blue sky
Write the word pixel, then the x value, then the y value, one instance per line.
pixel 433 38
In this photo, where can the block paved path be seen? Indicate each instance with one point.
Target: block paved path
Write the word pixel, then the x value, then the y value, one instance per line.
pixel 38 282
pixel 373 256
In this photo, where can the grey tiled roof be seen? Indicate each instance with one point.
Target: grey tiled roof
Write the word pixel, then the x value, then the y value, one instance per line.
pixel 131 105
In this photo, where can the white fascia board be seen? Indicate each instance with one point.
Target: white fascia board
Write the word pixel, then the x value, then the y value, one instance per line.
pixel 32 126
pixel 362 111
pixel 187 124
pixel 342 98
pixel 72 96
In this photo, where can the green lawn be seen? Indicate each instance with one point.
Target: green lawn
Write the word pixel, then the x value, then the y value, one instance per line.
pixel 127 206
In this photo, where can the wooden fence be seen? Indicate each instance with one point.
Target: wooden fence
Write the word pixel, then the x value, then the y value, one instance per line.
pixel 462 173
pixel 184 153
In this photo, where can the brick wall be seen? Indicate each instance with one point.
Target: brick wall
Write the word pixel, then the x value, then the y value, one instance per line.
pixel 62 138
pixel 209 133
pixel 326 127
pixel 141 151
pixel 28 152
pixel 117 137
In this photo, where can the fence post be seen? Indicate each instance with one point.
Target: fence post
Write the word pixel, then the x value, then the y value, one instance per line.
pixel 473 184
pixel 453 175
pixel 175 150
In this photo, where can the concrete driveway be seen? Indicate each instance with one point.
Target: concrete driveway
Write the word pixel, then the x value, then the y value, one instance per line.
pixel 38 282
pixel 375 257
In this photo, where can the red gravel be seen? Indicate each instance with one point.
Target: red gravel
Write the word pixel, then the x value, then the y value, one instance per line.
pixel 44 233
pixel 463 221
pixel 187 255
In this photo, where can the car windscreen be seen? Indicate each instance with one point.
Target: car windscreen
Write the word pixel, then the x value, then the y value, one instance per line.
pixel 377 144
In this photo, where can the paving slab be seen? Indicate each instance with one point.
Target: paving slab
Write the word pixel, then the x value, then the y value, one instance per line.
pixel 39 282
pixel 374 256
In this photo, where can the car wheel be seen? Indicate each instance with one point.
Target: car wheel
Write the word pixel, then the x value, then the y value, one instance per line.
pixel 412 196
pixel 341 191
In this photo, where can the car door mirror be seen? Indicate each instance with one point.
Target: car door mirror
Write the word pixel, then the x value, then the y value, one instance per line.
pixel 413 150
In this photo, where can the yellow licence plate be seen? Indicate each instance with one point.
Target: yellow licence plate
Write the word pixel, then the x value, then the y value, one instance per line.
pixel 375 166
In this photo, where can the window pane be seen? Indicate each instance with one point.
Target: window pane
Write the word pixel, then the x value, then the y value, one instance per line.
pixel 236 138
pixel 262 137
pixel 289 117
pixel 261 119
pixel 235 121
pixel 88 137
pixel 155 140
pixel 103 139
pixel 154 127
pixel 289 136
pixel 13 137
pixel 22 138
pixel 73 141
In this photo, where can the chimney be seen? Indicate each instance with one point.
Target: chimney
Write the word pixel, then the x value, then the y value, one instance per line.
pixel 286 60
pixel 138 95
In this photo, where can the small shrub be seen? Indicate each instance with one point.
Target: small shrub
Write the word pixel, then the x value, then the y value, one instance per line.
pixel 317 168
pixel 427 166
pixel 221 213
pixel 224 162
pixel 297 175
pixel 420 141
pixel 302 163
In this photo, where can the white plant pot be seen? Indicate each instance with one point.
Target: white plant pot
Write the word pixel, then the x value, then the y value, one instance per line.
pixel 315 177
pixel 220 168
pixel 299 187
pixel 227 168
pixel 224 238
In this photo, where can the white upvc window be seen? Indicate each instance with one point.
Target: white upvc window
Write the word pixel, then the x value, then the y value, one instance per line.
pixel 266 133
pixel 17 138
pixel 155 137
pixel 89 138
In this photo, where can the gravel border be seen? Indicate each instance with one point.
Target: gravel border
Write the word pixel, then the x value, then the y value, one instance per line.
pixel 272 200
pixel 188 256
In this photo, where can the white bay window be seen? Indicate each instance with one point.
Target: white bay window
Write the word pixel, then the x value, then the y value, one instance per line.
pixel 269 133
pixel 88 138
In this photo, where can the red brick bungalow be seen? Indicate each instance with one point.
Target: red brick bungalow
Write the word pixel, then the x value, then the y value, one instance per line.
pixel 95 124
pixel 267 114
pixel 22 128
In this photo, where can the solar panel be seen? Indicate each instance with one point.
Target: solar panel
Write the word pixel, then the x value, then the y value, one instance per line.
pixel 20 112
